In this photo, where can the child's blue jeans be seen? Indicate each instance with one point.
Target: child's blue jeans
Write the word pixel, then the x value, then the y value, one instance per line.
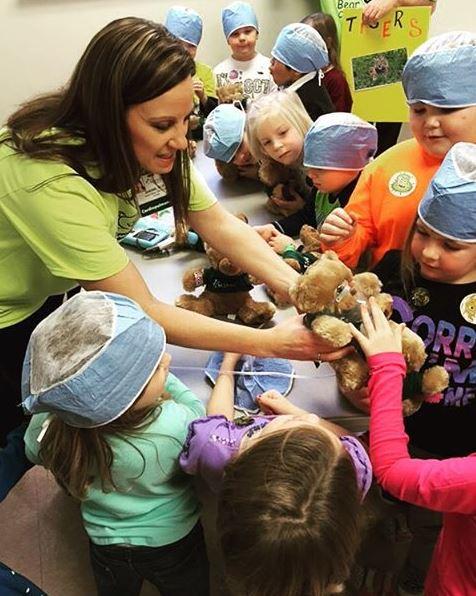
pixel 177 569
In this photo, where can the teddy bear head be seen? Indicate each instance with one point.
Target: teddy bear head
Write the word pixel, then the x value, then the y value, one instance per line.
pixel 321 284
pixel 230 93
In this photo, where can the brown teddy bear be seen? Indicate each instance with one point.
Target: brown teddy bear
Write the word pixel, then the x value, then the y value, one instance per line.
pixel 227 292
pixel 230 93
pixel 331 296
pixel 285 183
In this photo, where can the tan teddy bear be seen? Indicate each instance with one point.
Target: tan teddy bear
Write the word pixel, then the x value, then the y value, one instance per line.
pixel 227 292
pixel 331 296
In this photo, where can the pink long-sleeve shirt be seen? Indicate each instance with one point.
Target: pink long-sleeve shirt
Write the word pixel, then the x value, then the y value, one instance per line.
pixel 447 485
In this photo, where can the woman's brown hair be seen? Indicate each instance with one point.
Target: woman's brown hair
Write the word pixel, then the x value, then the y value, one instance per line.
pixel 289 516
pixel 83 125
pixel 325 25
pixel 77 456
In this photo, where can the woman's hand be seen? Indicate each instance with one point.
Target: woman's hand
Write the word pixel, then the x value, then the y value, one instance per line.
pixel 380 336
pixel 279 242
pixel 376 9
pixel 291 339
pixel 272 402
pixel 337 226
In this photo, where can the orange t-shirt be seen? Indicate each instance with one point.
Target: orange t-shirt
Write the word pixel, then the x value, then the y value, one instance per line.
pixel 385 201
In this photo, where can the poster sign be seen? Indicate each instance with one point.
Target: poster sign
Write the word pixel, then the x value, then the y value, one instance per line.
pixel 373 57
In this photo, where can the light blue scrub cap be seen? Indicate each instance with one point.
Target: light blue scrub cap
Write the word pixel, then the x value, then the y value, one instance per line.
pixel 300 47
pixel 442 71
pixel 184 23
pixel 237 15
pixel 90 359
pixel 223 132
pixel 449 204
pixel 340 141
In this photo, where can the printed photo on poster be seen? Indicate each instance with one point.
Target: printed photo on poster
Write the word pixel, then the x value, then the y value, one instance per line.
pixel 376 70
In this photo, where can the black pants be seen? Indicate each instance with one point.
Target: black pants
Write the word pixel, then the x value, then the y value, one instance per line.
pixel 177 569
pixel 13 344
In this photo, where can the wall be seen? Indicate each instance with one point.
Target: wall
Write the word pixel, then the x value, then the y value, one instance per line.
pixel 41 40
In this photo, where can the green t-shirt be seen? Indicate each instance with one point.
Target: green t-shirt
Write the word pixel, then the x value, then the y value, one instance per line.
pixel 205 74
pixel 56 228
pixel 323 206
pixel 156 504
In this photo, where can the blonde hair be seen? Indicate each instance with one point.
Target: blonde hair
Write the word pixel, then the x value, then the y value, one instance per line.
pixel 283 103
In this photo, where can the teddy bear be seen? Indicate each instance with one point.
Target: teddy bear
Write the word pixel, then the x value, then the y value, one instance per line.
pixel 231 92
pixel 284 183
pixel 227 291
pixel 331 296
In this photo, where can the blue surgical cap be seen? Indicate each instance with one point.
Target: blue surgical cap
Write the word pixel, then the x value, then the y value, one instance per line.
pixel 223 132
pixel 90 359
pixel 184 23
pixel 237 15
pixel 449 204
pixel 442 71
pixel 339 141
pixel 300 47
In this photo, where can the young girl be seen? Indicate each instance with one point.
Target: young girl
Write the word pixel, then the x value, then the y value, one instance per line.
pixel 112 425
pixel 435 295
pixel 334 78
pixel 442 112
pixel 275 128
pixel 336 149
pixel 291 490
pixel 448 486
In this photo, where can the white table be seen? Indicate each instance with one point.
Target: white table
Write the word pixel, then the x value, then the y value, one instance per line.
pixel 315 389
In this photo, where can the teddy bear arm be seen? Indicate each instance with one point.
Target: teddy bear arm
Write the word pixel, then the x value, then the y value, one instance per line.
pixel 193 278
pixel 333 330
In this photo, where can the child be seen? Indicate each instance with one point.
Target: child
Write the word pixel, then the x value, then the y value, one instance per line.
pixel 442 112
pixel 275 127
pixel 112 424
pixel 334 79
pixel 336 149
pixel 298 56
pixel 246 65
pixel 292 484
pixel 435 295
pixel 186 24
pixel 224 140
pixel 448 486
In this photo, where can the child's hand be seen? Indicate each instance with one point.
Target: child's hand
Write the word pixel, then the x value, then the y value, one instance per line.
pixel 199 90
pixel 279 242
pixel 272 402
pixel 376 9
pixel 337 226
pixel 295 203
pixel 266 231
pixel 230 360
pixel 379 336
pixel 249 171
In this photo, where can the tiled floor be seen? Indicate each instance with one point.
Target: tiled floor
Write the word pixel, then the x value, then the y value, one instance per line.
pixel 41 536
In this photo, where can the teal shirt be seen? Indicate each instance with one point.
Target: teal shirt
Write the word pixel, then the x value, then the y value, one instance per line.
pixel 155 503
